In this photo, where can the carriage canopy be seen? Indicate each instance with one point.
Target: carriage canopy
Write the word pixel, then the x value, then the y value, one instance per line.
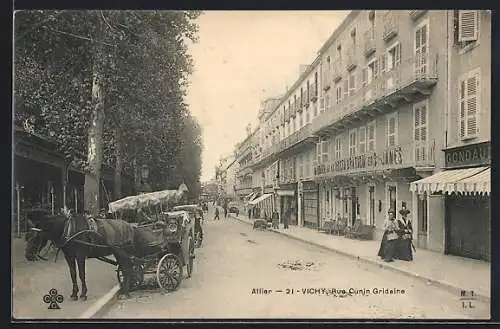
pixel 145 200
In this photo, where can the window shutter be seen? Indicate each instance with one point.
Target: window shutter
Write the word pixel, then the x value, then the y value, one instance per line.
pixel 467 25
pixel 321 103
pixel 364 77
pixel 462 101
pixel 375 70
pixel 397 55
pixel 417 124
pixel 346 87
pixel 472 105
pixel 382 66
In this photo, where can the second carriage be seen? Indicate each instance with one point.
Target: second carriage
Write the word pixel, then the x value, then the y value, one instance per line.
pixel 166 245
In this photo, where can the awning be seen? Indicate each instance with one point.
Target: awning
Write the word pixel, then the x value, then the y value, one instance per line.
pixel 466 181
pixel 260 199
pixel 285 192
pixel 250 196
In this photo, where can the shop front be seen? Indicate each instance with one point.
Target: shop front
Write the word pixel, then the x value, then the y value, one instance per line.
pixel 288 203
pixel 464 188
pixel 310 204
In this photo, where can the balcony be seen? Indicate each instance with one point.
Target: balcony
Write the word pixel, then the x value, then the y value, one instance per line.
pixel 369 44
pixel 350 55
pixel 241 190
pixel 245 171
pixel 304 134
pixel 337 71
pixel 418 155
pixel 415 14
pixel 287 180
pixel 390 26
pixel 414 77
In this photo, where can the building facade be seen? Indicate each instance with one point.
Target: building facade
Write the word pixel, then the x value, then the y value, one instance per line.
pixel 391 99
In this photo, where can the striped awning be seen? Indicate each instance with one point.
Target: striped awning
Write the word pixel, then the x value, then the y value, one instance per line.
pixel 261 199
pixel 464 181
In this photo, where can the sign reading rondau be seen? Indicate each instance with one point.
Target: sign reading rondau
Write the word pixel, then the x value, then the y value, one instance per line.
pixel 470 155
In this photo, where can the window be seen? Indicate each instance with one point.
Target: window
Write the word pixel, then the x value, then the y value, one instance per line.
pixel 421 49
pixel 346 88
pixel 339 53
pixel 352 82
pixel 466 27
pixel 301 165
pixel 469 103
pixel 370 137
pixel 352 142
pixel 327 102
pixel 422 213
pixel 371 205
pixel 339 94
pixel 309 159
pixel 362 140
pixel 322 149
pixel 371 18
pixel 301 121
pixel 353 37
pixel 316 84
pixel 338 148
pixel 301 96
pixel 392 129
pixel 420 130
pixel 393 56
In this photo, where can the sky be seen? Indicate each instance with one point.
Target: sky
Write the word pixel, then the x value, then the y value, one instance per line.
pixel 243 57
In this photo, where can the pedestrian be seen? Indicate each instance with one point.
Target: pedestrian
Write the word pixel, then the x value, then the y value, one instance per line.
pixel 405 237
pixel 286 218
pixel 249 213
pixel 275 219
pixel 389 239
pixel 217 213
pixel 225 211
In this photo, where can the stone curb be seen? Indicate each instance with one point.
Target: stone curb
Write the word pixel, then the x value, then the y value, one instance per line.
pixel 439 283
pixel 101 304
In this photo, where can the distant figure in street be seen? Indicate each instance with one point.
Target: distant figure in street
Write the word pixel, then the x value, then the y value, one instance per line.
pixel 286 218
pixel 249 213
pixel 275 220
pixel 405 232
pixel 389 239
pixel 225 211
pixel 217 213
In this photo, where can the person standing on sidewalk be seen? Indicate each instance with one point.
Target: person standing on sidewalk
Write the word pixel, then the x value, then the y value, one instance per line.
pixel 225 211
pixel 389 239
pixel 405 232
pixel 286 218
pixel 216 213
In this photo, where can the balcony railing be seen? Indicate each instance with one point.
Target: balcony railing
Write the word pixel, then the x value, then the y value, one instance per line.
pixel 415 14
pixel 287 180
pixel 350 60
pixel 414 154
pixel 390 26
pixel 419 71
pixel 247 170
pixel 369 43
pixel 296 137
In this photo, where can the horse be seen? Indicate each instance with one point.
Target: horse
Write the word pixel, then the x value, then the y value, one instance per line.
pixel 86 244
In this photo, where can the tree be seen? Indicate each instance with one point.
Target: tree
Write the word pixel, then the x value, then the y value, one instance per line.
pixel 111 80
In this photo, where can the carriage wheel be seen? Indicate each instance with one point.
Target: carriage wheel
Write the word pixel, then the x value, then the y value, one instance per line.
pixel 190 257
pixel 169 272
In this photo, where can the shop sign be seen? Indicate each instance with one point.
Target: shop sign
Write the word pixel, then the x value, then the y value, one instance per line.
pixel 470 155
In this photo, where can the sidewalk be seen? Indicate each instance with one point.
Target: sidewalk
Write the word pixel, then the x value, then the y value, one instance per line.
pixel 450 272
pixel 32 280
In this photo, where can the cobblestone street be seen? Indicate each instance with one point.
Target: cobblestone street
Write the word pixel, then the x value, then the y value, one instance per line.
pixel 236 261
pixel 32 280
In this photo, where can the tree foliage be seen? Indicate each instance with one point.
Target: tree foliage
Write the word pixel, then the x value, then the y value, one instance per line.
pixel 145 71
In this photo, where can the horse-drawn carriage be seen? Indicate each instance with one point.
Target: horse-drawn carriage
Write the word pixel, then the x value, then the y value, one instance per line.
pixel 162 247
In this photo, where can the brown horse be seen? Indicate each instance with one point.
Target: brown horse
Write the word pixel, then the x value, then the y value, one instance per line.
pixel 85 244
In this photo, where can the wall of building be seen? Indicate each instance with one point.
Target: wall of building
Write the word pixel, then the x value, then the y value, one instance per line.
pixel 476 56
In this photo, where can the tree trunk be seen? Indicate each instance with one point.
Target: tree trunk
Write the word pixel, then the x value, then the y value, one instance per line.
pixel 118 165
pixel 94 144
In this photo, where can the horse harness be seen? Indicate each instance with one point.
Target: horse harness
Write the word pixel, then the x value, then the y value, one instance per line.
pixel 70 232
